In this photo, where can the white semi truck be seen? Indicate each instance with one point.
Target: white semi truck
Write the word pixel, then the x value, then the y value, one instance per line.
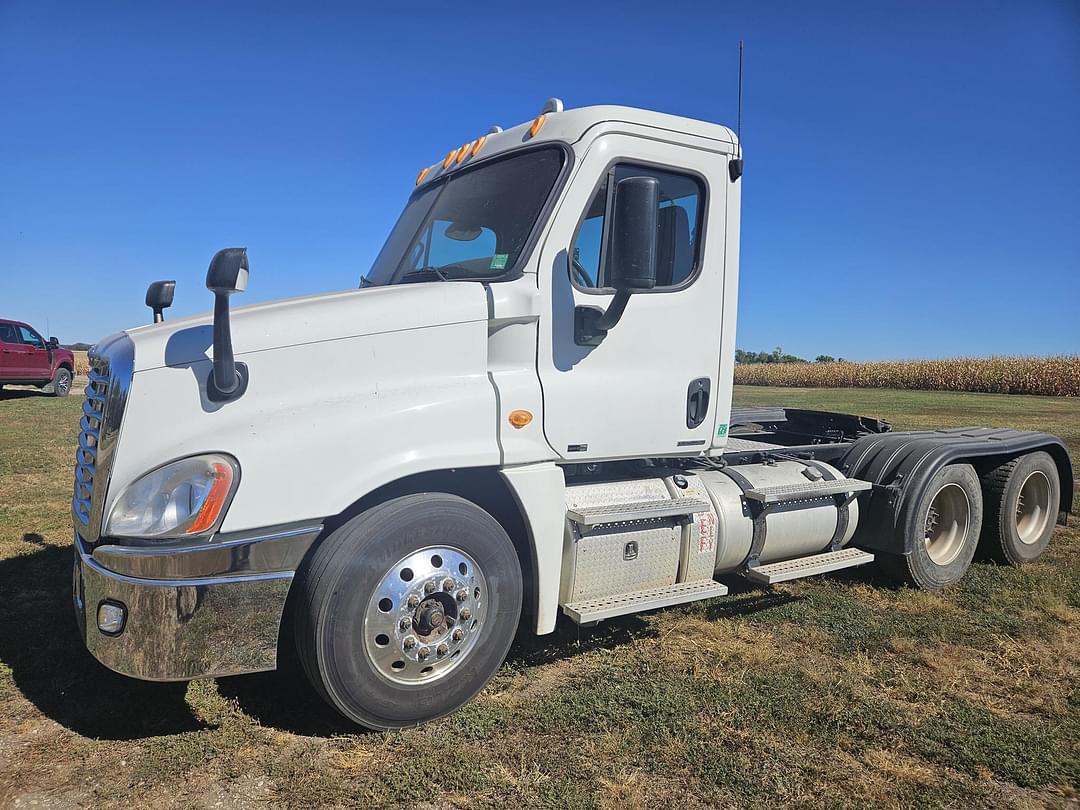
pixel 524 411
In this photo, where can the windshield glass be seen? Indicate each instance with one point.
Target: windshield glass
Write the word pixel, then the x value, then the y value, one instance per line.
pixel 472 225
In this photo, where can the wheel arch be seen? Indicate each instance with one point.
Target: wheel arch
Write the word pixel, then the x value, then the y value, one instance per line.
pixel 482 486
pixel 901 466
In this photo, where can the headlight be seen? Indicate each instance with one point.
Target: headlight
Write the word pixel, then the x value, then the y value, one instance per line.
pixel 183 498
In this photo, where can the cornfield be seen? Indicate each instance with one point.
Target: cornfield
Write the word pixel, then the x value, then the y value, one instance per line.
pixel 1050 376
pixel 82 363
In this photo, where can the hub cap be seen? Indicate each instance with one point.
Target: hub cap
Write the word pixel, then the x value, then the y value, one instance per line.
pixel 947 524
pixel 425 615
pixel 1033 508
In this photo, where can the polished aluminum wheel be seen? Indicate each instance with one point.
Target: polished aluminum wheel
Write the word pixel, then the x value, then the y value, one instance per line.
pixel 63 383
pixel 425 615
pixel 1033 507
pixel 948 521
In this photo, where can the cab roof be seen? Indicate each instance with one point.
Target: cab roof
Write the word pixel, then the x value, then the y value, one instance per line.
pixel 554 123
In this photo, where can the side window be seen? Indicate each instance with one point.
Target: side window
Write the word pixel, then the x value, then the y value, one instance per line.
pixel 682 201
pixel 7 333
pixel 29 338
pixel 447 244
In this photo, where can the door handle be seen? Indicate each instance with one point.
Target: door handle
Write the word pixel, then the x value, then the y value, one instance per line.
pixel 697 401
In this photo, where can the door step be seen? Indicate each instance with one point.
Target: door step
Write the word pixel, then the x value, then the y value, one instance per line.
pixel 594 610
pixel 589 516
pixel 804 491
pixel 808 566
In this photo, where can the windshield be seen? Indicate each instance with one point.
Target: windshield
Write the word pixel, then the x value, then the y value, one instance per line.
pixel 472 225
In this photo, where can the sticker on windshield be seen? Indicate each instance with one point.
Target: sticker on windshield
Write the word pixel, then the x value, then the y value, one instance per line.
pixel 498 261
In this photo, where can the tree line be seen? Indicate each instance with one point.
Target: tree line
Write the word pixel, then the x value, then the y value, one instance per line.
pixel 778 355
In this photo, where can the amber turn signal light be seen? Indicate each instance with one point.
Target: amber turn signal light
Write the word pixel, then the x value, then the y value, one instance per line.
pixel 520 419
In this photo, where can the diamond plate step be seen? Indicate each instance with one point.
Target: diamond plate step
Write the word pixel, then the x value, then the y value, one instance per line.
pixel 811 489
pixel 808 566
pixel 594 610
pixel 589 516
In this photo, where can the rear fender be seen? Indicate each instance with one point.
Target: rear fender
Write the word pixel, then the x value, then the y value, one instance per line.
pixel 901 465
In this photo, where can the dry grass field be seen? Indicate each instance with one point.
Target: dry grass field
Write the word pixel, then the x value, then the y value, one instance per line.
pixel 1050 376
pixel 841 691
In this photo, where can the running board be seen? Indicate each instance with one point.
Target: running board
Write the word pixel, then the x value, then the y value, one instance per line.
pixel 811 489
pixel 595 610
pixel 589 516
pixel 807 566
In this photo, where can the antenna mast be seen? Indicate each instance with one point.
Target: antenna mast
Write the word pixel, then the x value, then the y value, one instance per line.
pixel 735 165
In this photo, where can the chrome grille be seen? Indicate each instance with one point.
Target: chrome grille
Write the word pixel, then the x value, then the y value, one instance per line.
pixel 112 363
pixel 93 418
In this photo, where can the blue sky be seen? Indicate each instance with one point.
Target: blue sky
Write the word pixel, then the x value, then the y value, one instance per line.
pixel 912 181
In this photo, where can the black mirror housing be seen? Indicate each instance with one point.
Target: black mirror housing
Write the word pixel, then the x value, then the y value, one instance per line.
pixel 159 297
pixel 633 248
pixel 228 271
pixel 53 343
pixel 633 234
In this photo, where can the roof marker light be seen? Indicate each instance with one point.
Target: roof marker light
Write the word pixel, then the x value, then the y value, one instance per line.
pixel 449 158
pixel 478 144
pixel 462 153
pixel 536 124
pixel 423 173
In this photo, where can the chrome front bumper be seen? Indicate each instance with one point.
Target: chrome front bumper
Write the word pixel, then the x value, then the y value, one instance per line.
pixel 177 627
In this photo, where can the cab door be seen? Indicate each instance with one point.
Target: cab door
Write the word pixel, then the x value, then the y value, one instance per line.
pixel 649 387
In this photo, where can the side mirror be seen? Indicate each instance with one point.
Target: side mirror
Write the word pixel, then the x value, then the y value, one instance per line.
pixel 53 344
pixel 159 297
pixel 633 250
pixel 228 274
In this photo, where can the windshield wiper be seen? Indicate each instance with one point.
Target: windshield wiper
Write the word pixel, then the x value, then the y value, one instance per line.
pixel 425 271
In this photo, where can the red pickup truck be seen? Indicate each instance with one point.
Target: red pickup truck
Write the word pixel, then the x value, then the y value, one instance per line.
pixel 28 359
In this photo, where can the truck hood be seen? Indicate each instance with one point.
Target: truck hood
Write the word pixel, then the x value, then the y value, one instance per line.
pixel 312 319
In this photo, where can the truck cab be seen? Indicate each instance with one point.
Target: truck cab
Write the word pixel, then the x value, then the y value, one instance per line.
pixel 26 358
pixel 524 411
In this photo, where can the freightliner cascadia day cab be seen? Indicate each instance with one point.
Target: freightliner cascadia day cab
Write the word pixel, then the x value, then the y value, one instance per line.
pixel 523 411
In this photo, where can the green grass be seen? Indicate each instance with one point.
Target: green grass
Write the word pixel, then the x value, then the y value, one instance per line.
pixel 836 691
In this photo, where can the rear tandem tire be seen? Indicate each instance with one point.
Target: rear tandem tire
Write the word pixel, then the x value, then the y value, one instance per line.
pixel 940 544
pixel 1022 501
pixel 406 611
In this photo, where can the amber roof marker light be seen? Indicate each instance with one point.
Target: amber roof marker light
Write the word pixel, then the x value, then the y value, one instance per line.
pixel 552 105
pixel 423 173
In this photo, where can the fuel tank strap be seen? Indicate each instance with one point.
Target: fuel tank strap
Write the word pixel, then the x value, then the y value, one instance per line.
pixel 758 513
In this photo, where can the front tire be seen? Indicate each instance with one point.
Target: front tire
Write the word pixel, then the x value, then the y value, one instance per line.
pixel 406 611
pixel 61 383
pixel 943 532
pixel 1022 501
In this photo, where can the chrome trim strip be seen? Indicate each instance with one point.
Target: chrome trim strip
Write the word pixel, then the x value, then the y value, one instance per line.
pixel 263 551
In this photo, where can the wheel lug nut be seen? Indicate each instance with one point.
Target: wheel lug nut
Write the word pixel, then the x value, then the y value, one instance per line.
pixel 409 643
pixel 442 649
pixel 458 634
pixel 462 595
pixel 465 614
pixel 448 584
pixel 404 624
pixel 429 587
pixel 413 602
pixel 423 653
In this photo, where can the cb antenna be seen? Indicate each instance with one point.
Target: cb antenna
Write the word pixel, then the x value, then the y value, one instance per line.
pixel 735 165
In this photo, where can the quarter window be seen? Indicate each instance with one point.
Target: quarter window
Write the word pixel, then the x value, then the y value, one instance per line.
pixel 679 218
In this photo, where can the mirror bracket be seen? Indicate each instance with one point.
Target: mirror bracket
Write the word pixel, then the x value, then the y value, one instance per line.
pixel 591 324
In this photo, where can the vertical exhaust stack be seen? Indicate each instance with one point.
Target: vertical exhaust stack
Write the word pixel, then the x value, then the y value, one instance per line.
pixel 228 274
